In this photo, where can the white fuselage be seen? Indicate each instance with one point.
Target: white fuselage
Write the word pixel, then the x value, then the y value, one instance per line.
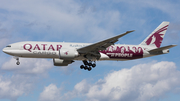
pixel 35 49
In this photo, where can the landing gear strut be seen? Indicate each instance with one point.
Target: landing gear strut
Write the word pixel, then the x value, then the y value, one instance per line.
pixel 18 63
pixel 87 65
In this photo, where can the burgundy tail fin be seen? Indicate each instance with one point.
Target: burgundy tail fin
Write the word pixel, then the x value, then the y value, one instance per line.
pixel 156 37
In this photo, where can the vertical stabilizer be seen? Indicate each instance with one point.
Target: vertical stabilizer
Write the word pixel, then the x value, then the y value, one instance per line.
pixel 156 37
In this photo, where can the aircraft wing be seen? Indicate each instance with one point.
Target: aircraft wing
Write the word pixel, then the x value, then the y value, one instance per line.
pixel 102 45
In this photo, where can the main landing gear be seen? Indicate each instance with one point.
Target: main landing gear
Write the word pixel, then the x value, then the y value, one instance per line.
pixel 88 65
pixel 17 58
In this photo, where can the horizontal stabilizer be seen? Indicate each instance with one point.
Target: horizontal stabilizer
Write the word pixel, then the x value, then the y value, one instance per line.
pixel 162 48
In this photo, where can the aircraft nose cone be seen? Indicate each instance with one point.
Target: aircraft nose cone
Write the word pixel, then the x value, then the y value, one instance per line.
pixel 10 51
pixel 4 50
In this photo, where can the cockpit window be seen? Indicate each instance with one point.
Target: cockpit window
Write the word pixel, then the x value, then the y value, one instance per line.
pixel 8 46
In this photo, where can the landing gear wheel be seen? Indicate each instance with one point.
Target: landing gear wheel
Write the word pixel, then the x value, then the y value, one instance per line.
pixel 89 64
pixel 18 63
pixel 89 69
pixel 85 62
pixel 82 66
pixel 85 67
pixel 93 65
pixel 17 58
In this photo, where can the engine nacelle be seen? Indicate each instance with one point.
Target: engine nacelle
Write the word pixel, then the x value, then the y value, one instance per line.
pixel 165 51
pixel 67 54
pixel 60 62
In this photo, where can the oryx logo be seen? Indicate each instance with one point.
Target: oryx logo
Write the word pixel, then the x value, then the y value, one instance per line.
pixel 66 53
pixel 157 38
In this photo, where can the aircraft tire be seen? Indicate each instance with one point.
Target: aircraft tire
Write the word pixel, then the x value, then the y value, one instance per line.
pixel 93 65
pixel 89 69
pixel 85 67
pixel 82 66
pixel 85 62
pixel 18 63
pixel 89 64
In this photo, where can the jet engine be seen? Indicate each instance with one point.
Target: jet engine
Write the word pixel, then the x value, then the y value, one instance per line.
pixel 165 51
pixel 60 62
pixel 68 54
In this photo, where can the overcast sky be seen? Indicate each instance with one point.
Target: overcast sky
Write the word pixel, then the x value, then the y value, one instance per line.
pixel 149 79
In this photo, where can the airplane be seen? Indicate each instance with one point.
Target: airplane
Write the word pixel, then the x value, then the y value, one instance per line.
pixel 65 53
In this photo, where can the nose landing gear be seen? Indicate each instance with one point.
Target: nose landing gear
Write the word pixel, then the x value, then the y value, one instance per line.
pixel 17 58
pixel 87 65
